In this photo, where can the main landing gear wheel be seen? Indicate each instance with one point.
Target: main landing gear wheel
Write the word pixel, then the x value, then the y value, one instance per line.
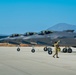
pixel 33 50
pixel 18 49
pixel 64 50
pixel 49 51
pixel 45 48
pixel 69 50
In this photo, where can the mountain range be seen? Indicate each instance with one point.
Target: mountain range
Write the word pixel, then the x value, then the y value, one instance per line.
pixel 62 26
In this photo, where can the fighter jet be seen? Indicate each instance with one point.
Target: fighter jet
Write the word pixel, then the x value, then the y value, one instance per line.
pixel 11 39
pixel 67 38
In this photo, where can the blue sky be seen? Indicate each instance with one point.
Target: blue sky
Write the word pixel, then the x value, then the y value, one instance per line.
pixel 20 16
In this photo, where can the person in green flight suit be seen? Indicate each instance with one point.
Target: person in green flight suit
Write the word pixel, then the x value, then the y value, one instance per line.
pixel 56 45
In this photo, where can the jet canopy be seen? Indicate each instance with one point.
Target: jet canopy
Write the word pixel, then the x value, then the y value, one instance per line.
pixel 15 35
pixel 29 33
pixel 45 32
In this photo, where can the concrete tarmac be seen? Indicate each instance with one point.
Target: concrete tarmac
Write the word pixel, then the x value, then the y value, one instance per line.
pixel 38 63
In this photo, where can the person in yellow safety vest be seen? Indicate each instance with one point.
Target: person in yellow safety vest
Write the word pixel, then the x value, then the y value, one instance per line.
pixel 56 49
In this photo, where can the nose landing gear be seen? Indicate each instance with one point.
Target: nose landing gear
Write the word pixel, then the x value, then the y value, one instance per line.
pixel 18 49
pixel 33 50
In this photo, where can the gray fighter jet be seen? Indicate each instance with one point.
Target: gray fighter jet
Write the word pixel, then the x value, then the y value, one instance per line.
pixel 67 38
pixel 11 39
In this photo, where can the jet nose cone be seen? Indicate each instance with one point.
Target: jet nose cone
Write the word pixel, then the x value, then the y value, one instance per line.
pixel 3 40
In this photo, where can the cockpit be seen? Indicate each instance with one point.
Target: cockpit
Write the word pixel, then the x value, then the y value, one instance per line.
pixel 29 33
pixel 15 35
pixel 45 32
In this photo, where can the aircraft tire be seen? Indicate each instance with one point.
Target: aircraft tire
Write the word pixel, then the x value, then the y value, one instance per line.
pixel 45 48
pixel 69 50
pixel 64 50
pixel 49 51
pixel 18 49
pixel 33 50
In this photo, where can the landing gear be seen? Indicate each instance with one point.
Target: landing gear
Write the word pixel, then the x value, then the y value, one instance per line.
pixel 33 50
pixel 18 49
pixel 45 48
pixel 65 50
pixel 69 50
pixel 49 51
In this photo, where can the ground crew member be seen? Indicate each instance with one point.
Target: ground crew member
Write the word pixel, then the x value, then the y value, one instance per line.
pixel 56 49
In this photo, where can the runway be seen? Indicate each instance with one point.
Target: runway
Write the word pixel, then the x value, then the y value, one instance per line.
pixel 38 63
